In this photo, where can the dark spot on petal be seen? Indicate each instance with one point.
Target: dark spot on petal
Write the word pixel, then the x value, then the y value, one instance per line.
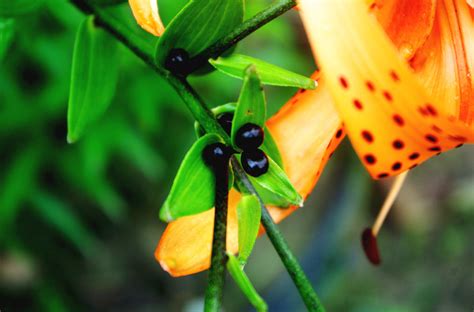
pixel 398 144
pixel 387 96
pixel 414 156
pixel 431 138
pixel 357 104
pixel 459 145
pixel 437 129
pixel 431 110
pixel 338 133
pixel 435 149
pixel 398 120
pixel 367 136
pixel 370 159
pixel 394 76
pixel 423 111
pixel 370 86
pixel 383 175
pixel 343 82
pixel 413 166
pixel 396 166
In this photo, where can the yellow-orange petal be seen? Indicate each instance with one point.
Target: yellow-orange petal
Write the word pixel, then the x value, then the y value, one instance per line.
pixel 392 122
pixel 147 16
pixel 408 23
pixel 445 63
pixel 307 130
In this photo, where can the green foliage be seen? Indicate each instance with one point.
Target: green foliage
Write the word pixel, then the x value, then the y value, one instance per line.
pixel 94 76
pixel 251 107
pixel 236 65
pixel 13 8
pixel 248 216
pixel 198 25
pixel 277 183
pixel 270 148
pixel 193 189
pixel 242 280
pixel 7 29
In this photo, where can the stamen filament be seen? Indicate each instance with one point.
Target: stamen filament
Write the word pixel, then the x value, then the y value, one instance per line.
pixel 392 195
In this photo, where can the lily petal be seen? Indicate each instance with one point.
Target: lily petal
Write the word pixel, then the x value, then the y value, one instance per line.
pixel 147 16
pixel 408 23
pixel 443 63
pixel 392 121
pixel 307 130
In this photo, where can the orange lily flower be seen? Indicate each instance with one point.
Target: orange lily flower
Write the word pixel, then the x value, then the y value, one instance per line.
pixel 147 16
pixel 402 85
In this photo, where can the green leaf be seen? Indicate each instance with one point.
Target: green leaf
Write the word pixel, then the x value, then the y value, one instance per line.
pixel 12 8
pixel 242 280
pixel 198 25
pixel 270 74
pixel 59 215
pixel 270 147
pixel 251 107
pixel 248 216
pixel 193 189
pixel 276 182
pixel 7 29
pixel 93 78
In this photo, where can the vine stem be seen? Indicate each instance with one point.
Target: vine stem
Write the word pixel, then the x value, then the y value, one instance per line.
pixel 216 278
pixel 290 262
pixel 207 120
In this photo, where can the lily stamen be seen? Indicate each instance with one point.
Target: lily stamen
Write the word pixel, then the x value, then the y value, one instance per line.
pixel 369 235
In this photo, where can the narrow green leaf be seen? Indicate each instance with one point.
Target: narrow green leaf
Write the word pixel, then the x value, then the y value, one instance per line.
pixel 242 280
pixel 277 183
pixel 59 215
pixel 198 25
pixel 15 183
pixel 7 29
pixel 93 78
pixel 193 188
pixel 270 147
pixel 248 216
pixel 12 8
pixel 235 65
pixel 251 107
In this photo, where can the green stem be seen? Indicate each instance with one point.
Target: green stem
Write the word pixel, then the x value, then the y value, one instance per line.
pixel 242 31
pixel 216 280
pixel 290 262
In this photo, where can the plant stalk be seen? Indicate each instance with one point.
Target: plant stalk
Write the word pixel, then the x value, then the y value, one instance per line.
pixel 216 277
pixel 290 262
pixel 242 31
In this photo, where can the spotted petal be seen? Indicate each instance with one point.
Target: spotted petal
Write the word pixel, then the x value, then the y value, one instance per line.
pixel 393 122
pixel 307 130
pixel 147 16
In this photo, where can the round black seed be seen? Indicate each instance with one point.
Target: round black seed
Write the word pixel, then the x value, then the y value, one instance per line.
pixel 216 155
pixel 225 120
pixel 177 62
pixel 249 137
pixel 255 162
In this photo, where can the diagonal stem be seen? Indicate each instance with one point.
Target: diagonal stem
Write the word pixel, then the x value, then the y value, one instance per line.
pixel 290 262
pixel 242 31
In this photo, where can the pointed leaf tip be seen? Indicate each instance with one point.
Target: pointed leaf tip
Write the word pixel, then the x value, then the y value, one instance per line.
pixel 237 64
pixel 93 77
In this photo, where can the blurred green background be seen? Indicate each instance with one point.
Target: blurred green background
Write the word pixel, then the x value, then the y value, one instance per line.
pixel 79 223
